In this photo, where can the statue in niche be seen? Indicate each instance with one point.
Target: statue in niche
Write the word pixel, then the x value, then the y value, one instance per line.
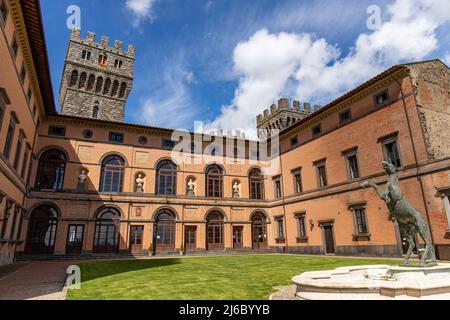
pixel 140 183
pixel 82 177
pixel 236 189
pixel 191 187
pixel 409 219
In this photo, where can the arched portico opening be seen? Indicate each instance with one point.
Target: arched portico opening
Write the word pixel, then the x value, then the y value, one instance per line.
pixel 164 235
pixel 106 238
pixel 214 231
pixel 259 231
pixel 42 230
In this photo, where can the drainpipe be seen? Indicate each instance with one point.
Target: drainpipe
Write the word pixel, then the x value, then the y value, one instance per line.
pixel 282 199
pixel 419 178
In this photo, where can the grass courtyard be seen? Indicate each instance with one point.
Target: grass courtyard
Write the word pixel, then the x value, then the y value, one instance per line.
pixel 243 277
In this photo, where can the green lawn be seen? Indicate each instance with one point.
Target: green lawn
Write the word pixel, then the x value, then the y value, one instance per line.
pixel 210 278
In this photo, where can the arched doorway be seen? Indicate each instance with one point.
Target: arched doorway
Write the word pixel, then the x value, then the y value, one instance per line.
pixel 164 235
pixel 106 238
pixel 214 230
pixel 42 230
pixel 259 231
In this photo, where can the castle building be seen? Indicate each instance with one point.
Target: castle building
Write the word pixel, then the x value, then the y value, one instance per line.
pixel 83 182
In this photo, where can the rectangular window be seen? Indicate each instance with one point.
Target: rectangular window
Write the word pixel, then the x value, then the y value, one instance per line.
pixel 298 186
pixel 9 139
pixel 351 159
pixel 280 227
pixel 22 74
pixel 321 171
pixel 345 116
pixel 294 141
pixel 25 161
pixel 360 220
pixel 391 152
pixel 86 55
pixel 382 99
pixel 18 152
pixel 116 137
pixel 2 113
pixel 102 60
pixel 15 46
pixel 4 12
pixel 277 187
pixel 29 93
pixel 34 109
pixel 118 64
pixel 301 226
pixel 168 144
pixel 317 130
pixel 57 131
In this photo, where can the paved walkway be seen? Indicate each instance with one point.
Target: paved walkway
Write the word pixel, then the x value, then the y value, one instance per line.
pixel 41 280
pixel 284 293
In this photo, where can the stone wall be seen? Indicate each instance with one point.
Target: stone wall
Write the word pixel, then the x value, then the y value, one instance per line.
pixel 432 88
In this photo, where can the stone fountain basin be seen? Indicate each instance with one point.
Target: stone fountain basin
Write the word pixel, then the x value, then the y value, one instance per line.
pixel 375 282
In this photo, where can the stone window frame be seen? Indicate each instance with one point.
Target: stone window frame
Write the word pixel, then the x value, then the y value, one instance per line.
pixel 318 164
pixel 5 218
pixel 294 141
pixel 445 196
pixel 165 146
pixel 385 102
pixel 86 55
pixel 14 46
pixel 358 236
pixel 13 122
pixel 277 187
pixel 300 237
pixel 295 172
pixel 352 152
pixel 26 155
pixel 4 12
pixel 319 131
pixel 280 225
pixel 4 102
pixel 19 146
pixel 343 121
pixel 388 139
pixel 56 133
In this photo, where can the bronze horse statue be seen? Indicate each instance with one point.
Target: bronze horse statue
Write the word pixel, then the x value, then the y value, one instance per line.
pixel 409 219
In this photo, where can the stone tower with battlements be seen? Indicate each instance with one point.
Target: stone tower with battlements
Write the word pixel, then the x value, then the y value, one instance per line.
pixel 283 115
pixel 97 78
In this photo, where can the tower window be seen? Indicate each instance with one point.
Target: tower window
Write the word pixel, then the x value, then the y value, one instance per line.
pixel 86 55
pixel 91 82
pixel 73 78
pixel 99 85
pixel 123 89
pixel 102 59
pixel 115 88
pixel 345 116
pixel 95 111
pixel 4 11
pixel 382 98
pixel 82 83
pixel 57 131
pixel 118 64
pixel 107 86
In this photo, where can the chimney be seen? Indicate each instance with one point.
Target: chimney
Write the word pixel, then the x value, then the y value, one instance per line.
pixel 283 103
pixel 90 36
pixel 307 107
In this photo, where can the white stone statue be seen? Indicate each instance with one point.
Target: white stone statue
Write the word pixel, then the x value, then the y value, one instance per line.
pixel 139 183
pixel 82 179
pixel 191 187
pixel 236 189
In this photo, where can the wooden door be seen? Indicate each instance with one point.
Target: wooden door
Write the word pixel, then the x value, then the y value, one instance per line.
pixel 329 240
pixel 75 235
pixel 259 238
pixel 190 238
pixel 237 238
pixel 136 234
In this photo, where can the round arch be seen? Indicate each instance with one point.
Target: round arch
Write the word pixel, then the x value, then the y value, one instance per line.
pixel 42 227
pixel 114 153
pixel 113 207
pixel 165 208
pixel 259 211
pixel 225 217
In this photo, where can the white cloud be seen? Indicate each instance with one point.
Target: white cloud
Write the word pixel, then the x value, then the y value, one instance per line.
pixel 169 105
pixel 301 65
pixel 447 58
pixel 141 9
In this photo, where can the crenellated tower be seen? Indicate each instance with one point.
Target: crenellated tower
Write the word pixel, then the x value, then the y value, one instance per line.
pixel 283 115
pixel 97 78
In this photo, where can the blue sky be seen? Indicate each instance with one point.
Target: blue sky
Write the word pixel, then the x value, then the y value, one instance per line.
pixel 224 61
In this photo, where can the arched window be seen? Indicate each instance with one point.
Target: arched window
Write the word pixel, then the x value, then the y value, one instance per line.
pixel 259 231
pixel 99 85
pixel 91 82
pixel 214 228
pixel 95 111
pixel 214 181
pixel 73 78
pixel 256 184
pixel 42 230
pixel 111 177
pixel 115 88
pixel 83 78
pixel 51 168
pixel 166 178
pixel 107 231
pixel 107 86
pixel 165 231
pixel 103 59
pixel 123 89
